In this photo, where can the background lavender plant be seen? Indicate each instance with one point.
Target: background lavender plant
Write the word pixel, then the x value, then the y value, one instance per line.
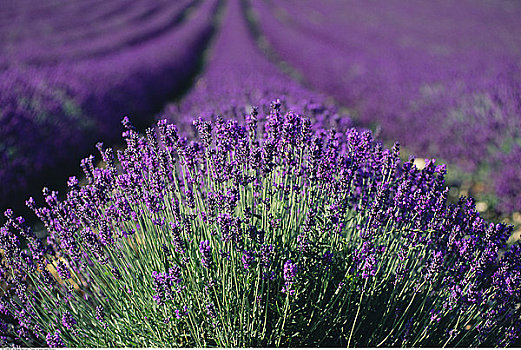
pixel 443 78
pixel 286 238
pixel 62 82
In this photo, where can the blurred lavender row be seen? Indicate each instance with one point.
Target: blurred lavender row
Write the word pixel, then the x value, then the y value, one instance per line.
pixel 442 77
pixel 238 75
pixel 47 40
pixel 71 70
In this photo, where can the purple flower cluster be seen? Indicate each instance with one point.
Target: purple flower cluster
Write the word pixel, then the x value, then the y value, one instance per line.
pixel 206 254
pixel 166 285
pixel 100 314
pixel 290 273
pixel 68 321
pixel 54 340
pixel 248 258
pixel 459 75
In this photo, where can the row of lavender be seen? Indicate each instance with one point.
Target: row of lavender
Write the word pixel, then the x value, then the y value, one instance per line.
pixel 62 84
pixel 443 78
pixel 75 31
pixel 238 75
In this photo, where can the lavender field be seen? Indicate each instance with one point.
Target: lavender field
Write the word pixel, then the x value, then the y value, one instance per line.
pixel 243 173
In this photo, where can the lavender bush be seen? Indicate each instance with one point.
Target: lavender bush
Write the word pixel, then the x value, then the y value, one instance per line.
pixel 443 78
pixel 262 234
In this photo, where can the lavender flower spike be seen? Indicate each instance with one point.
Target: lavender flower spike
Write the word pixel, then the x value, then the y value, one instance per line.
pixel 206 252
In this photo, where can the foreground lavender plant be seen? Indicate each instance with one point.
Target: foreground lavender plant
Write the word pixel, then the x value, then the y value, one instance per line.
pixel 290 239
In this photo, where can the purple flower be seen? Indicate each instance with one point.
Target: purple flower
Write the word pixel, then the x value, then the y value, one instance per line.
pixel 116 274
pixel 267 253
pixel 226 224
pixel 476 112
pixel 210 310
pixel 67 320
pixel 247 259
pixel 327 258
pixel 178 314
pixel 100 315
pixel 435 316
pixel 54 340
pixel 166 284
pixel 206 252
pixel 290 273
pixel 365 258
pixel 435 265
pixel 72 182
pixel 177 241
pixel 63 270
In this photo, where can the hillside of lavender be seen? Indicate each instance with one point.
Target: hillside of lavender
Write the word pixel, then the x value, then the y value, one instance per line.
pixel 283 141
